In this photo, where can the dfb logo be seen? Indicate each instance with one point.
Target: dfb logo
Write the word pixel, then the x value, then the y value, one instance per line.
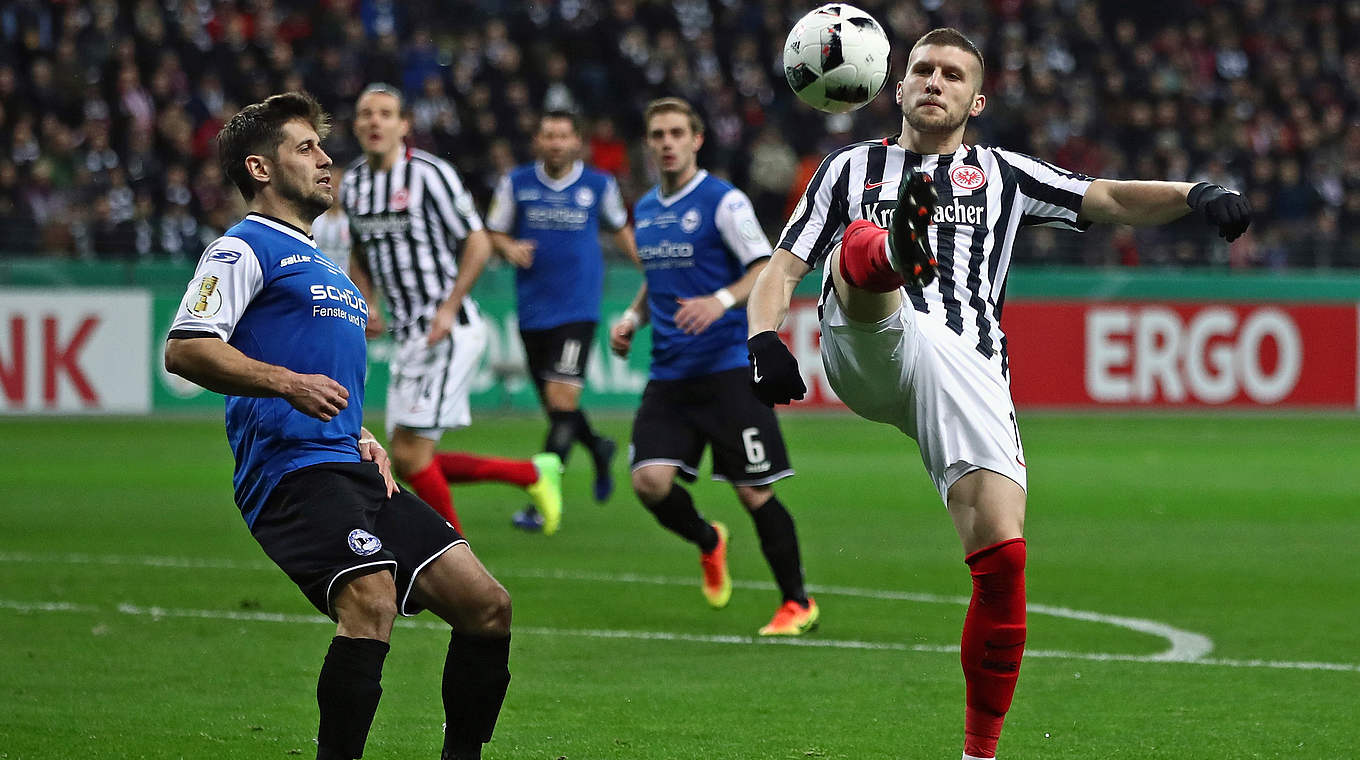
pixel 1151 354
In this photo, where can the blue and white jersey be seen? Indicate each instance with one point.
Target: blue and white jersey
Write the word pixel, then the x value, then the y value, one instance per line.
pixel 265 289
pixel 566 281
pixel 693 243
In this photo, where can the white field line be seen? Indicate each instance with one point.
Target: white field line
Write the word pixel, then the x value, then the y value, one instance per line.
pixel 1184 646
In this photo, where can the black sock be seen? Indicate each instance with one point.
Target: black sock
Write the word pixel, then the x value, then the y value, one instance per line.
pixel 476 675
pixel 588 438
pixel 347 692
pixel 561 434
pixel 779 544
pixel 677 514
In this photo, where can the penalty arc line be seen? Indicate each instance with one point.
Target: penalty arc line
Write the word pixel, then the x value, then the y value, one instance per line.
pixel 162 613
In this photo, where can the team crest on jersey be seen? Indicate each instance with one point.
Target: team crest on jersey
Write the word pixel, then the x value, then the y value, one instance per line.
pixel 401 198
pixel 585 197
pixel 967 177
pixel 206 301
pixel 226 257
pixel 363 543
pixel 691 221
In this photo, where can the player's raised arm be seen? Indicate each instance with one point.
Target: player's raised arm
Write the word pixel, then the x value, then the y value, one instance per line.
pixel 1149 202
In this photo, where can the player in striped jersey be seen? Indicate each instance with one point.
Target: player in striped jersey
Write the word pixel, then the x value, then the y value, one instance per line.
pixel 910 318
pixel 409 214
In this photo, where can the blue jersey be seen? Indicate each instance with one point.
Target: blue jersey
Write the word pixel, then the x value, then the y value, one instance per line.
pixel 563 216
pixel 265 289
pixel 693 243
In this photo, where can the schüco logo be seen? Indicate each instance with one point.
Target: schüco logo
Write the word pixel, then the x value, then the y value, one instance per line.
pixel 1212 355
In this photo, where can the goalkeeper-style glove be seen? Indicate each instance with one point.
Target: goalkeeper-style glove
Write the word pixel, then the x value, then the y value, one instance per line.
pixel 1230 212
pixel 774 371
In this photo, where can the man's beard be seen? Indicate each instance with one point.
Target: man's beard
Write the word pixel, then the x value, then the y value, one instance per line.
pixel 309 204
pixel 932 127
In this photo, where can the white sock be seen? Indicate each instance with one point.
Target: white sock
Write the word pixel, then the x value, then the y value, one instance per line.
pixel 967 756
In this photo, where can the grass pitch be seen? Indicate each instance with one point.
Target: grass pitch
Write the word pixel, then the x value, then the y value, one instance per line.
pixel 1193 586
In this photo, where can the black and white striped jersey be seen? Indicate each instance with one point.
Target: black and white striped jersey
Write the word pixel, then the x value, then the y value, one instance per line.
pixel 986 195
pixel 408 222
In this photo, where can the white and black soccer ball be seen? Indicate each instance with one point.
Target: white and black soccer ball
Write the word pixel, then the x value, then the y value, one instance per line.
pixel 836 58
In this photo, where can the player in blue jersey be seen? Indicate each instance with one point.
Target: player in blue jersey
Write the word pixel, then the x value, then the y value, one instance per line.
pixel 701 249
pixel 545 219
pixel 276 326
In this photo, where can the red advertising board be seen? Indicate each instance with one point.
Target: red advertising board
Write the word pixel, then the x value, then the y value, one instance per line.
pixel 1155 354
pixel 1149 354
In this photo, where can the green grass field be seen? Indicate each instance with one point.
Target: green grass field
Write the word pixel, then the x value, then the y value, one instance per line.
pixel 1193 582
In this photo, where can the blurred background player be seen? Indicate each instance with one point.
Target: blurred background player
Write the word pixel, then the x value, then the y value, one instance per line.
pixel 545 219
pixel 702 249
pixel 313 485
pixel 331 229
pixel 409 215
pixel 925 353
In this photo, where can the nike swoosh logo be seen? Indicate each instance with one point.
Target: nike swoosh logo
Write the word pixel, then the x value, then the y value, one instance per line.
pixel 872 185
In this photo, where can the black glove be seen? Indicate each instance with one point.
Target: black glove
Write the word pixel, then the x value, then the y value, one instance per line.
pixel 916 200
pixel 1228 211
pixel 774 371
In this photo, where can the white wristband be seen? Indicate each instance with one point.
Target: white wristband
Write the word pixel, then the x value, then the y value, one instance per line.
pixel 362 441
pixel 631 317
pixel 725 298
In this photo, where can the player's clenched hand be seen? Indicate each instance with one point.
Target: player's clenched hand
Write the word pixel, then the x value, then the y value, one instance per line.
pixel 371 451
pixel 1230 212
pixel 317 396
pixel 696 314
pixel 520 252
pixel 621 335
pixel 774 371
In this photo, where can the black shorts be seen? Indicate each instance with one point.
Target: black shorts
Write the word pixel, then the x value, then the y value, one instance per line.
pixel 558 354
pixel 329 523
pixel 678 418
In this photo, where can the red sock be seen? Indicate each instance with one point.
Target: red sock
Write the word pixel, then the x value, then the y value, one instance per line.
pixel 430 485
pixel 864 258
pixel 459 467
pixel 993 642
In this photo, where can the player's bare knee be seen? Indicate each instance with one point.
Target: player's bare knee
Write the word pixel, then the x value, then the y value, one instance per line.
pixel 754 497
pixel 651 486
pixel 492 616
pixel 367 606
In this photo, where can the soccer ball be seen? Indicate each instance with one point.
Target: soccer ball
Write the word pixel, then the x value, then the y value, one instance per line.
pixel 836 58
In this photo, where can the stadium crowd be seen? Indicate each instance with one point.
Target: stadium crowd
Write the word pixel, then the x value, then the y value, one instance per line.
pixel 108 109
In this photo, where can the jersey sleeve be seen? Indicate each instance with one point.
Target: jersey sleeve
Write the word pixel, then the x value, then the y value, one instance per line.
pixel 1050 196
pixel 501 216
pixel 613 212
pixel 454 201
pixel 819 216
pixel 227 279
pixel 736 221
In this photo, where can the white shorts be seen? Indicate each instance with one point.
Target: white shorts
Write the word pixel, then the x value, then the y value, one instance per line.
pixel 909 372
pixel 429 386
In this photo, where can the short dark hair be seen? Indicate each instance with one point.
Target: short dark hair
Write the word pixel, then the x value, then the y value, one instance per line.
pixel 951 37
pixel 385 89
pixel 257 130
pixel 565 115
pixel 674 105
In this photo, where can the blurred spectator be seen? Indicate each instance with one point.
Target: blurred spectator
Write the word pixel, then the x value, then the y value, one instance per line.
pixel 1261 96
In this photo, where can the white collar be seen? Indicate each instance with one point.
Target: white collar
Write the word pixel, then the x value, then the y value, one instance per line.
pixel 558 185
pixel 698 177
